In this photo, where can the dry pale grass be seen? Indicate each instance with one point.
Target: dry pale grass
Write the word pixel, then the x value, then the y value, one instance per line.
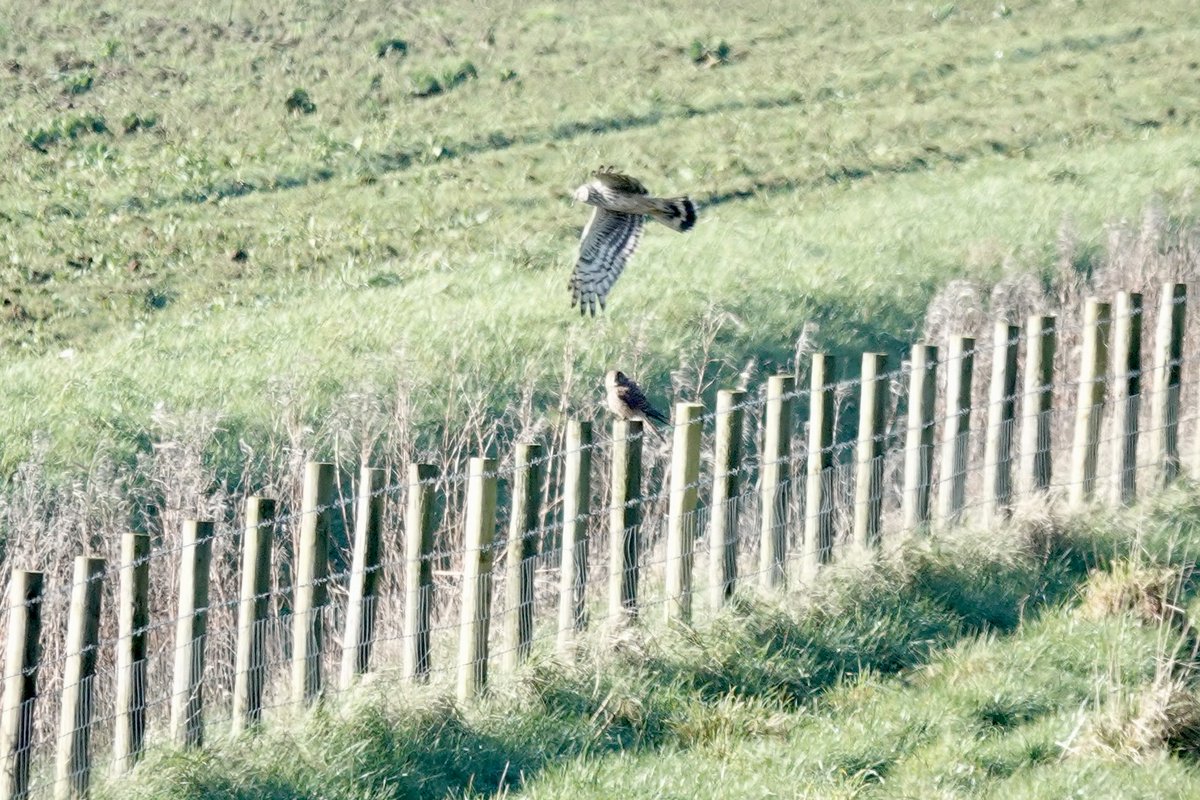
pixel 731 720
pixel 1161 718
pixel 1163 715
pixel 1146 591
pixel 1136 256
pixel 1040 525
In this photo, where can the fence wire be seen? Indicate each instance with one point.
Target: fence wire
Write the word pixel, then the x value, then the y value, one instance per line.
pixel 426 608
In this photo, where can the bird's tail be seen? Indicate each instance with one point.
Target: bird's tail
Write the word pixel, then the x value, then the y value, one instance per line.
pixel 658 416
pixel 677 213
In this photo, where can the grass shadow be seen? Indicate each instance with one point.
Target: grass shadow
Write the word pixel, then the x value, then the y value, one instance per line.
pixel 883 620
pixel 650 690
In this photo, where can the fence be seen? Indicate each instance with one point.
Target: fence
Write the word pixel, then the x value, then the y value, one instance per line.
pixel 499 559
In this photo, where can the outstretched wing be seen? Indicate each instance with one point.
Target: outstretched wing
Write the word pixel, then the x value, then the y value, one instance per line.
pixel 631 393
pixel 607 243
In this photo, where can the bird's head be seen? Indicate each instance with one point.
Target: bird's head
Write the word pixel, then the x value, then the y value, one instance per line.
pixel 584 194
pixel 613 379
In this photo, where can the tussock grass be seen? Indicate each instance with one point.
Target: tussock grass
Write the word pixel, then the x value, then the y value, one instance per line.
pixel 1146 591
pixel 1145 724
pixel 903 677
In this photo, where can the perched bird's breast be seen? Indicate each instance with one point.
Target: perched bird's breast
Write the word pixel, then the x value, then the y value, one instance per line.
pixel 615 404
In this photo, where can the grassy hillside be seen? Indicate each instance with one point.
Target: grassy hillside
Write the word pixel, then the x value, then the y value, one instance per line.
pixel 277 217
pixel 1050 659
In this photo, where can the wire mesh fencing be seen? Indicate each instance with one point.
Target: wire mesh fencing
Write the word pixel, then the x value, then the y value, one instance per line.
pixel 453 577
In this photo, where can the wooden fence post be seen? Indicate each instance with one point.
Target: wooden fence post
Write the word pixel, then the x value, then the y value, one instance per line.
pixel 1002 407
pixel 250 658
pixel 918 445
pixel 22 658
pixel 775 476
pixel 73 766
pixel 577 495
pixel 868 452
pixel 681 513
pixel 520 553
pixel 133 619
pixel 311 592
pixel 1037 405
pixel 359 631
pixel 727 464
pixel 418 570
pixel 1168 363
pixel 191 623
pixel 1127 373
pixel 956 433
pixel 818 503
pixel 625 519
pixel 1085 448
pixel 477 578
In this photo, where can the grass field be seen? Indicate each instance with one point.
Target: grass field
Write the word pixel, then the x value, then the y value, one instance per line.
pixel 183 239
pixel 233 237
pixel 1054 658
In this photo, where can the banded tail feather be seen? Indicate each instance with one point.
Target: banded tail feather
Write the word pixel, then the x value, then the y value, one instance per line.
pixel 677 213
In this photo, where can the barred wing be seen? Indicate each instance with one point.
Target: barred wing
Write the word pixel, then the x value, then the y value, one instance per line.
pixel 607 243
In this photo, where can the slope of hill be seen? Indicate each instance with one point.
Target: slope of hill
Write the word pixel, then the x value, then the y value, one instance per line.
pixel 280 217
pixel 1052 658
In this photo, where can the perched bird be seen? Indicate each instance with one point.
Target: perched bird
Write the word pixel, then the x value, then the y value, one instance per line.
pixel 625 399
pixel 612 234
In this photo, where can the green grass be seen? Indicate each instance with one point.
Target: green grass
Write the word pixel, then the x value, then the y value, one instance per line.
pixel 851 159
pixel 973 666
pixel 329 230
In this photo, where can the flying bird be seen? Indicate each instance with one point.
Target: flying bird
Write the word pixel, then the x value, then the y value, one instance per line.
pixel 612 234
pixel 625 399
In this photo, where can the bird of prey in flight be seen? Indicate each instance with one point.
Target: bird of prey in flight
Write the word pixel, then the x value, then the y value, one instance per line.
pixel 612 234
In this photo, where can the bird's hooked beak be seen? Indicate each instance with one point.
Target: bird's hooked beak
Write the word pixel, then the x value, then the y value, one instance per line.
pixel 582 194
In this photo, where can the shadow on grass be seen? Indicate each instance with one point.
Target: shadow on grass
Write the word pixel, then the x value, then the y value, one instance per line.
pixel 883 621
pixel 650 694
pixel 371 165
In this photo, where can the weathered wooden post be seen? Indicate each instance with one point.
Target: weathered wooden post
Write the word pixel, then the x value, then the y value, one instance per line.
pixel 1168 363
pixel 727 463
pixel 22 658
pixel 520 553
pixel 418 570
pixel 956 433
pixel 625 520
pixel 818 503
pixel 364 576
pixel 1002 408
pixel 868 452
pixel 918 445
pixel 73 766
pixel 775 476
pixel 312 567
pixel 1127 374
pixel 250 658
pixel 477 578
pixel 1037 405
pixel 133 619
pixel 191 624
pixel 577 495
pixel 1085 448
pixel 681 513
